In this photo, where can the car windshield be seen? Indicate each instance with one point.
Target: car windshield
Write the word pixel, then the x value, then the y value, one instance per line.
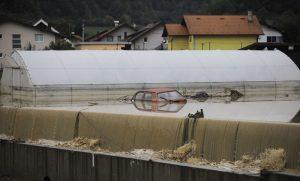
pixel 170 96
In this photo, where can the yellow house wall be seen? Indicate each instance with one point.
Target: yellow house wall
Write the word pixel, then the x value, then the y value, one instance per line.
pixel 99 47
pixel 178 43
pixel 220 42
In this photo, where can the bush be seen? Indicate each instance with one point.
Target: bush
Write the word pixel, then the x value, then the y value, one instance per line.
pixel 59 45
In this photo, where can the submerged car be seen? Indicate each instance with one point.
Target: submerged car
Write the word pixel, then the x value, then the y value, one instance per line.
pixel 159 95
pixel 161 107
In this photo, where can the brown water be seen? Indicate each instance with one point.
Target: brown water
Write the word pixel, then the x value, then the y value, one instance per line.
pixel 275 111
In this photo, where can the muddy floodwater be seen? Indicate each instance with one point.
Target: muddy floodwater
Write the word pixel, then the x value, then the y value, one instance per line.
pixel 265 111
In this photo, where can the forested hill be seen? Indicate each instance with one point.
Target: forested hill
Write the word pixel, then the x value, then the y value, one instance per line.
pixel 282 14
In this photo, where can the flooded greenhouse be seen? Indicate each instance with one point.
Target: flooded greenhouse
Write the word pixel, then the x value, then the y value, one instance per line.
pixel 77 112
pixel 45 76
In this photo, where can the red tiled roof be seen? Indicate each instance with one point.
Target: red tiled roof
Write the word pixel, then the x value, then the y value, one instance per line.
pixel 221 25
pixel 176 29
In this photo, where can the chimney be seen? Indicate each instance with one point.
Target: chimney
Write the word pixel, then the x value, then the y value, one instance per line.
pixel 116 23
pixel 250 17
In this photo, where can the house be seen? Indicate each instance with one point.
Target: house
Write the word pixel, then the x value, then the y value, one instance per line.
pixel 147 38
pixel 213 32
pixel 111 39
pixel 101 45
pixel 19 35
pixel 43 24
pixel 270 35
pixel 118 33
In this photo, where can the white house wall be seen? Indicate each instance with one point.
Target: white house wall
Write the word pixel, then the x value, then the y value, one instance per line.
pixel 119 32
pixel 154 40
pixel 27 36
pixel 269 32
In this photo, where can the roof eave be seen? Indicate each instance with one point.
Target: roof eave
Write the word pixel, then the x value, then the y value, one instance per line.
pixel 146 31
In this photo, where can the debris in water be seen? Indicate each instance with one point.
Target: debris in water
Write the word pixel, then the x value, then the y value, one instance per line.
pixel 273 159
pixel 6 137
pixel 142 153
pixel 92 103
pixel 198 114
pixel 181 154
pixel 270 159
pixel 197 161
pixel 83 143
pixel 45 142
pixel 235 95
pixel 201 96
pixel 247 158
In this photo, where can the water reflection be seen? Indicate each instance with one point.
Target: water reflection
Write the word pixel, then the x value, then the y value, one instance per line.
pixel 276 111
pixel 163 107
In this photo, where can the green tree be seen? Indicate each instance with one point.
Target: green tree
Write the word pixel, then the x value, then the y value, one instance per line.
pixel 59 45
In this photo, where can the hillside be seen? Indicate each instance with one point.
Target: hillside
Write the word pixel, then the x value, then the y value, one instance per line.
pixel 284 15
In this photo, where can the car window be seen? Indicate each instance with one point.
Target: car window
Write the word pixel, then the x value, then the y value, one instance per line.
pixel 148 96
pixel 175 107
pixel 139 96
pixel 139 104
pixel 170 96
pixel 148 105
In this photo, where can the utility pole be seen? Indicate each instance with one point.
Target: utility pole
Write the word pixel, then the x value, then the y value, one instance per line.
pixel 70 31
pixel 82 32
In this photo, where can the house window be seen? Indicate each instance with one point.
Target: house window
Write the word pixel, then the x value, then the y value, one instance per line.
pixel 110 38
pixel 271 39
pixel 39 37
pixel 1 55
pixel 16 41
pixel 125 35
pixel 0 36
pixel 119 38
pixel 145 39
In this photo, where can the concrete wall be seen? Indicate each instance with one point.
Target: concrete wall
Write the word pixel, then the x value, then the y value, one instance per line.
pixel 7 120
pixel 154 37
pixel 44 124
pixel 230 140
pixel 30 162
pixel 215 139
pixel 126 132
pixel 27 36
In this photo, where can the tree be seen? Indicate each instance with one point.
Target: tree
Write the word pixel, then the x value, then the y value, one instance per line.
pixel 283 14
pixel 59 45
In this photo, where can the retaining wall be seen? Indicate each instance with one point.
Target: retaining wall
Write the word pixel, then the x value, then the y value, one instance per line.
pixel 127 132
pixel 35 124
pixel 215 139
pixel 31 162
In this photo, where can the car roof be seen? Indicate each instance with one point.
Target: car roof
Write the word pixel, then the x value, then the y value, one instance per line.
pixel 158 90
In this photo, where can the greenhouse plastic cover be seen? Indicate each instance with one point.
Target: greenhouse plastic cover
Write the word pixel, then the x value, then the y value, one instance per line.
pixel 124 67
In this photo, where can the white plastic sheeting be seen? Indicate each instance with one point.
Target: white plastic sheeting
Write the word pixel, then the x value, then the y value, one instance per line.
pixel 126 67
